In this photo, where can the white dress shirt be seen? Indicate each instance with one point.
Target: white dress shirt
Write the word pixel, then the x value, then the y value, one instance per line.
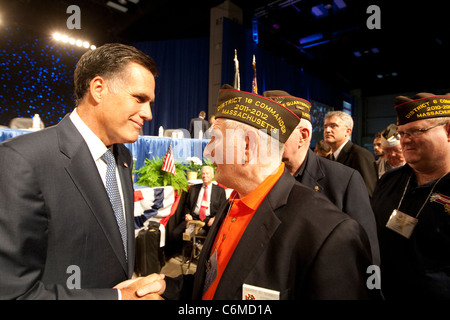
pixel 97 149
pixel 338 151
pixel 200 198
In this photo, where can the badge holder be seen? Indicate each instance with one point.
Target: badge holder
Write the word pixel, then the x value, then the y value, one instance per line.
pixel 402 223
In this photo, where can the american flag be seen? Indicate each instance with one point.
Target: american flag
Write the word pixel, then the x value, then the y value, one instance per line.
pixel 254 84
pixel 168 163
pixel 237 78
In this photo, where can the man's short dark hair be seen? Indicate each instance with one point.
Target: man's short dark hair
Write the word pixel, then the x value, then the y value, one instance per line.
pixel 107 61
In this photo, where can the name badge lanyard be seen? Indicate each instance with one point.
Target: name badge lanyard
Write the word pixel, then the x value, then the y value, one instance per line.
pixel 402 223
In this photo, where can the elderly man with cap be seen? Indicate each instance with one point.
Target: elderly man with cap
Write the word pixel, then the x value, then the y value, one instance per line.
pixel 341 184
pixel 276 239
pixel 412 203
pixel 392 150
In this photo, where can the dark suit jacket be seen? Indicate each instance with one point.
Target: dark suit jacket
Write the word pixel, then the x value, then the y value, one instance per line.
pixel 362 160
pixel 198 124
pixel 55 213
pixel 297 243
pixel 218 198
pixel 344 187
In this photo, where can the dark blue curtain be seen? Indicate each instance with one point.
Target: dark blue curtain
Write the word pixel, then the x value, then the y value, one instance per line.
pixel 182 87
pixel 273 72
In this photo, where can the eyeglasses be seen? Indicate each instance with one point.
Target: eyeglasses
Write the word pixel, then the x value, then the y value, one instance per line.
pixel 414 133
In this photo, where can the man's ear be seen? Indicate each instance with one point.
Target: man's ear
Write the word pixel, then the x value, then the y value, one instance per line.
pixel 447 126
pixel 98 88
pixel 349 132
pixel 305 135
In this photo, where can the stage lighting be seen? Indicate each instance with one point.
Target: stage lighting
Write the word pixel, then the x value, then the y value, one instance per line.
pixel 78 42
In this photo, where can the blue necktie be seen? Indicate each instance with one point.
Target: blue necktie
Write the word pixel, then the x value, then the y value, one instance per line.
pixel 114 195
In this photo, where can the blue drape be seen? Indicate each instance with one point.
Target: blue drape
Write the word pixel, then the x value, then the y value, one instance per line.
pixel 182 87
pixel 273 72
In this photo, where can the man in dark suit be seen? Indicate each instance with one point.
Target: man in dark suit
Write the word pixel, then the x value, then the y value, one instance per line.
pixel 338 127
pixel 276 234
pixel 342 185
pixel 195 203
pixel 198 124
pixel 66 225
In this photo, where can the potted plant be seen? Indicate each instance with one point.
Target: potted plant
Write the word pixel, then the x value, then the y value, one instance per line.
pixel 193 167
pixel 151 175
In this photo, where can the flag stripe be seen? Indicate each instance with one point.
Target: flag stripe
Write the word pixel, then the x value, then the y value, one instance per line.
pixel 168 163
pixel 254 83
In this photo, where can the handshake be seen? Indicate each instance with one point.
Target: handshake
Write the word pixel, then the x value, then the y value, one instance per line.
pixel 143 288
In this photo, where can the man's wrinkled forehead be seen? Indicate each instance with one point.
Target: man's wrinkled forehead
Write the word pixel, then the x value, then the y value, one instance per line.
pixel 217 127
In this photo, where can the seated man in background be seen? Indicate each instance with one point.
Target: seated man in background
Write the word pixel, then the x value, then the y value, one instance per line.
pixel 202 202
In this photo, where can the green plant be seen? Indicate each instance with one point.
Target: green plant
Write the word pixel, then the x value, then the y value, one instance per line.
pixel 208 162
pixel 193 164
pixel 151 175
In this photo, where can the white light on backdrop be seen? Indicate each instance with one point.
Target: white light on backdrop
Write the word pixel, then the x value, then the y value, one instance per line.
pixel 78 42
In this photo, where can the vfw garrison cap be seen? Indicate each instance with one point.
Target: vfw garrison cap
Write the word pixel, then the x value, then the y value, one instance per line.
pixel 389 136
pixel 299 106
pixel 421 106
pixel 256 111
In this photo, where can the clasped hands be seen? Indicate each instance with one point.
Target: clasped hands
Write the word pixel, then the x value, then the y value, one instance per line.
pixel 143 288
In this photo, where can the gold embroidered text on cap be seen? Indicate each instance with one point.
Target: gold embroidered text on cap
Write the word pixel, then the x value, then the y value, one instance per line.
pixel 257 112
pixel 421 106
pixel 299 106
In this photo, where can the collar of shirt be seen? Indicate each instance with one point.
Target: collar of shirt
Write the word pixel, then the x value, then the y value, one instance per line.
pixel 300 171
pixel 338 151
pixel 95 145
pixel 254 198
pixel 235 224
pixel 97 149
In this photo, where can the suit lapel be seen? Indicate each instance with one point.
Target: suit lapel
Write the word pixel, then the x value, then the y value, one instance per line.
pixel 255 239
pixel 343 155
pixel 193 197
pixel 84 174
pixel 313 173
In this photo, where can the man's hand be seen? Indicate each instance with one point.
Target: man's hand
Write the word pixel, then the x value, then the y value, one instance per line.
pixel 147 288
pixel 188 217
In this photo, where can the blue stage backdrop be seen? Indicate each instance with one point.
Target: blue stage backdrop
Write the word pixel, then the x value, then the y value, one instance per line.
pixel 36 76
pixel 273 72
pixel 182 87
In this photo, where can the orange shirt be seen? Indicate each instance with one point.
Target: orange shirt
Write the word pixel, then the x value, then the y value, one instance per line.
pixel 234 225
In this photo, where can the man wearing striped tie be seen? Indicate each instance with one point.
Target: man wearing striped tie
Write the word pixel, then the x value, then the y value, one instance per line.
pixel 66 206
pixel 202 202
